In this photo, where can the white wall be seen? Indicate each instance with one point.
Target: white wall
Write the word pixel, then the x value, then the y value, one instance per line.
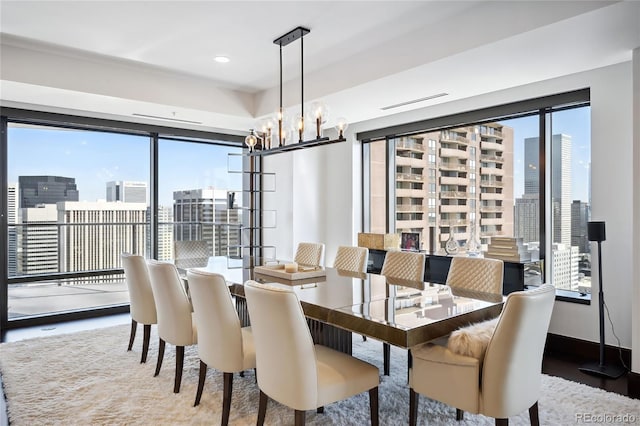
pixel 338 186
pixel 635 340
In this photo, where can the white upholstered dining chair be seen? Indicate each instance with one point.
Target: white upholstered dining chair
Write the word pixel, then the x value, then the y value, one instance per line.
pixel 404 265
pixel 175 320
pixel 191 254
pixel 476 274
pixel 290 368
pixel 500 381
pixel 352 259
pixel 309 254
pixel 141 301
pixel 222 343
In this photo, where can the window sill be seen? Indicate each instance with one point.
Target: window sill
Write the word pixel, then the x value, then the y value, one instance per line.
pixel 572 296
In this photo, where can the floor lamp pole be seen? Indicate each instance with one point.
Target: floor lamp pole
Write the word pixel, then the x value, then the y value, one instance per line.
pixel 597 233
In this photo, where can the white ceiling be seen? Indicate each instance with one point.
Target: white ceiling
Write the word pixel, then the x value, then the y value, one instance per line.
pixel 359 57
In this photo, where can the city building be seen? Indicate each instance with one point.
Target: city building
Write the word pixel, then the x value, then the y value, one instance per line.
pixel 579 219
pixel 38 240
pixel 12 232
pixel 165 233
pixel 202 214
pixel 93 235
pixel 527 218
pixel 36 190
pixel 127 191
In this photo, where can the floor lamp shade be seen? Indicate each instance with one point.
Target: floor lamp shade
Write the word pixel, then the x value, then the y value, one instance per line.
pixel 596 232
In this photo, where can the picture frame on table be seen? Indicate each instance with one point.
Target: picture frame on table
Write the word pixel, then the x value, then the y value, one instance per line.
pixel 410 241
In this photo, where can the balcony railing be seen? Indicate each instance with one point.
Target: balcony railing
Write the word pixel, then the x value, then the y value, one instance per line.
pixel 409 144
pixel 410 176
pixel 409 208
pixel 82 267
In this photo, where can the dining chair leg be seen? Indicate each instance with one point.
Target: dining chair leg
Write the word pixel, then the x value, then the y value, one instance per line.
pixel 201 379
pixel 132 334
pixel 262 408
pixel 459 414
pixel 386 354
pixel 373 405
pixel 502 422
pixel 533 415
pixel 413 407
pixel 179 363
pixel 145 343
pixel 160 356
pixel 300 417
pixel 226 398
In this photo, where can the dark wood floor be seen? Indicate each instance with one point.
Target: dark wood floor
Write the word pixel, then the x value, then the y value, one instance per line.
pixel 558 365
pixel 567 367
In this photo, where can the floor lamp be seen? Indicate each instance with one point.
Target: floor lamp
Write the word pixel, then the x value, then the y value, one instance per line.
pixel 595 232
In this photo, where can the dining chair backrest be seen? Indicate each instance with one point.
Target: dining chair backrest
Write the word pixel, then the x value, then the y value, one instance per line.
pixel 309 254
pixel 285 354
pixel 353 259
pixel 142 303
pixel 191 254
pixel 404 265
pixel 219 329
pixel 175 324
pixel 513 358
pixel 476 274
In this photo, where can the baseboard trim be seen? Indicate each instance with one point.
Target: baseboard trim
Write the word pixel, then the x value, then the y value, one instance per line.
pixel 579 349
pixel 633 385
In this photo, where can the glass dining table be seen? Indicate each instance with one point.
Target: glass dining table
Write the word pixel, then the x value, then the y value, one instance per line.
pixel 397 312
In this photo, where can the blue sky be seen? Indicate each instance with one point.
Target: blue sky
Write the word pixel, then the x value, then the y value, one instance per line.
pixel 94 158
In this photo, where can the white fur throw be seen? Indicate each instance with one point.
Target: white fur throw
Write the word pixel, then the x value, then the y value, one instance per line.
pixel 473 339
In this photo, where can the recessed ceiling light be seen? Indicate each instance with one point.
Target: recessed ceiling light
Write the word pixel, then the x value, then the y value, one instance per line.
pixel 221 59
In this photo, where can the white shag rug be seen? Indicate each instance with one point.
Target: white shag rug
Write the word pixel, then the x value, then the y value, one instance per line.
pixel 88 378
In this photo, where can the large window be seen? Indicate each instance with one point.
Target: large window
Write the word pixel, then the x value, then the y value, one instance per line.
pixel 81 191
pixel 465 188
pixel 193 189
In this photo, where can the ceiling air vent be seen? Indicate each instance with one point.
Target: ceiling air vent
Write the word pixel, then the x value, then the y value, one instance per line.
pixel 413 101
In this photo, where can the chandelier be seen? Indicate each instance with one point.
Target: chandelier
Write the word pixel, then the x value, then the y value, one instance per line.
pixel 280 133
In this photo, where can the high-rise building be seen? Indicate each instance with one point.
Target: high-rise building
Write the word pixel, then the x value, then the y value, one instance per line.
pixel 451 182
pixel 94 234
pixel 127 191
pixel 35 190
pixel 202 214
pixel 165 233
pixel 12 232
pixel 527 218
pixel 565 273
pixel 560 182
pixel 38 240
pixel 579 219
pixel 561 188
